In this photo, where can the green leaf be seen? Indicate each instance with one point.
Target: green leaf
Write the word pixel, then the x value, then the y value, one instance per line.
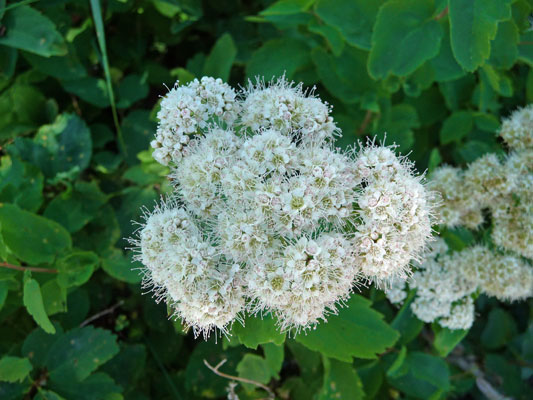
pixel 456 127
pixel 421 376
pixel 76 268
pixel 274 355
pixel 331 34
pixel 131 89
pixel 32 238
pixel 63 146
pixel 444 64
pixel 54 297
pixel 121 267
pixel 27 29
pixel 92 90
pixel 337 73
pixel 395 368
pixel 340 382
pixel 47 395
pixel 446 339
pixel 82 201
pixel 20 183
pixel 218 63
pixel 14 369
pixel 405 36
pixel 357 331
pixel 398 124
pixel 66 67
pixel 277 57
pixel 406 323
pixel 33 301
pixel 500 329
pixel 287 7
pixel 4 288
pixel 504 47
pixel 258 331
pixel 127 366
pixel 254 367
pixel 97 386
pixel 37 344
pixel 353 18
pixel 138 131
pixel 77 353
pixel 473 24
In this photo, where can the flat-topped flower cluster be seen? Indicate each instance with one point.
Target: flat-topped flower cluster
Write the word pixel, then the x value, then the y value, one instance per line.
pixel 493 188
pixel 267 215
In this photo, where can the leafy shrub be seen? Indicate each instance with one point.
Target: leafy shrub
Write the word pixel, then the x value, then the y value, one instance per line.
pixel 80 83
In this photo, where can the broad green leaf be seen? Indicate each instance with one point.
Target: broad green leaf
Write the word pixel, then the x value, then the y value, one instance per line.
pixel 504 47
pixel 138 131
pixel 90 89
pixel 82 201
pixel 397 125
pixel 406 323
pixel 127 366
pixel 498 81
pixel 66 67
pixel 218 63
pixel 4 288
pixel 353 18
pixel 14 369
pixel 371 375
pixel 77 353
pixel 473 24
pixel 258 331
pixel 287 7
pixel 277 57
pixel 421 376
pixel 395 369
pixel 446 339
pixel 97 386
pixel 8 62
pixel 27 29
pixel 20 183
pixel 525 48
pixel 76 268
pixel 419 80
pixel 357 331
pixel 456 127
pixel 331 34
pixel 33 301
pixel 254 367
pixel 337 73
pixel 405 36
pixel 500 329
pixel 508 371
pixel 340 382
pixel 32 238
pixel 47 395
pixel 444 64
pixel 122 267
pixel 64 146
pixel 54 297
pixel 274 355
pixel 131 89
pixel 37 344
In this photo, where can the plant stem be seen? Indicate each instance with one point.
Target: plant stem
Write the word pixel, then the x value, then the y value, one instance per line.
pixel 32 269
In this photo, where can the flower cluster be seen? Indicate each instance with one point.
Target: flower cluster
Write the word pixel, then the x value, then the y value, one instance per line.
pixel 445 283
pixel 496 187
pixel 267 215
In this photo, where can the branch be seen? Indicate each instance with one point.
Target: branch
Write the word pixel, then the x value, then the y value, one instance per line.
pixel 239 379
pixel 102 313
pixel 32 269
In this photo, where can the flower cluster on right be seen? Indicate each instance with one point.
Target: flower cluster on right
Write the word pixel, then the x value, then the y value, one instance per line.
pixel 495 189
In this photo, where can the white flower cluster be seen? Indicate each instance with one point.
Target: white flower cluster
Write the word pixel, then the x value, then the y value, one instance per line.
pixel 267 216
pixel 446 283
pixel 502 189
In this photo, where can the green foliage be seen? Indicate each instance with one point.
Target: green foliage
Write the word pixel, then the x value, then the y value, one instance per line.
pixel 79 89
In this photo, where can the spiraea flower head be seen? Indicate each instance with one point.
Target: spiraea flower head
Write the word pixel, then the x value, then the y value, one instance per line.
pixel 268 216
pixel 517 130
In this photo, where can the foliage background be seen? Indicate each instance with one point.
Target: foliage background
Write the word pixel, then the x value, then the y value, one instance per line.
pixel 77 112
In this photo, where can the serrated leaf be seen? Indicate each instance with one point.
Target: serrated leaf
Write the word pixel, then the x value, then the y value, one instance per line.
pixel 258 331
pixel 456 127
pixel 357 331
pixel 27 29
pixel 353 18
pixel 32 238
pixel 77 353
pixel 473 24
pixel 405 36
pixel 33 301
pixel 340 382
pixel 14 369
pixel 277 57
pixel 219 61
